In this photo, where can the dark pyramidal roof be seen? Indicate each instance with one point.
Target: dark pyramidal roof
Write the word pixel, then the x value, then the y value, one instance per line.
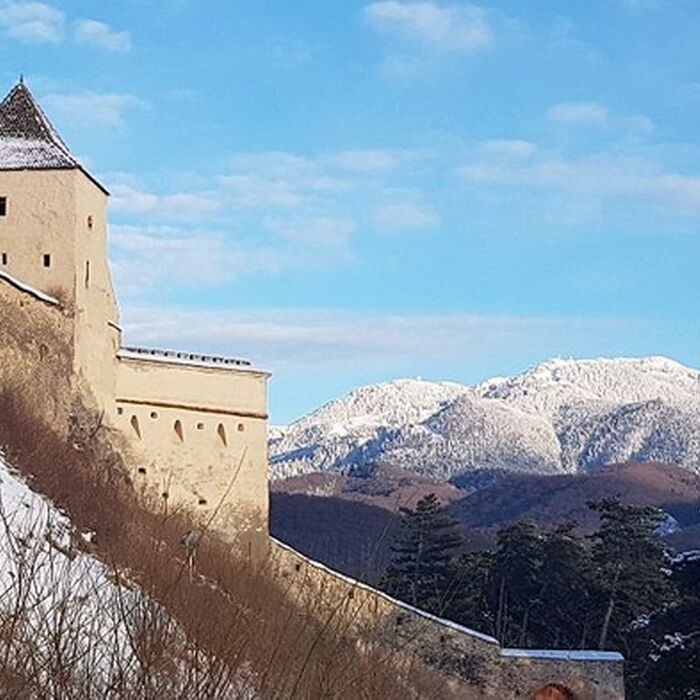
pixel 27 138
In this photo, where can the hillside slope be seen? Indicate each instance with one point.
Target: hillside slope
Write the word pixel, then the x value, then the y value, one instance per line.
pixel 563 416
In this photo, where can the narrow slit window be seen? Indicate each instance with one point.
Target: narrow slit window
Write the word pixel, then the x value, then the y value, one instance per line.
pixel 47 260
pixel 179 433
pixel 221 432
pixel 89 223
pixel 135 425
pixel 3 206
pixel 87 274
pixel 4 258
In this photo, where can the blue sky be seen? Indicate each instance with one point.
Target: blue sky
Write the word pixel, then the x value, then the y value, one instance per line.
pixel 346 192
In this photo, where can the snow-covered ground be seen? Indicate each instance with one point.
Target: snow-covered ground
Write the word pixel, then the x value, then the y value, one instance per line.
pixel 69 630
pixel 562 416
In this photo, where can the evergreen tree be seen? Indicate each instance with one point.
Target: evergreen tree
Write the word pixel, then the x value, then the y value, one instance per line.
pixel 515 580
pixel 665 647
pixel 422 569
pixel 629 560
pixel 469 605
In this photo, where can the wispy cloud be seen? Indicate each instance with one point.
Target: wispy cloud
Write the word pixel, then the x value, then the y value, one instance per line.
pixel 319 340
pixel 312 231
pixel 148 256
pixel 101 35
pixel 404 216
pixel 367 160
pixel 92 108
pixel 594 177
pixel 33 22
pixel 179 205
pixel 454 28
pixel 595 114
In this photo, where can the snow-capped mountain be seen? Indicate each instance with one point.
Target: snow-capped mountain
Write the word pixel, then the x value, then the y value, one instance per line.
pixel 561 416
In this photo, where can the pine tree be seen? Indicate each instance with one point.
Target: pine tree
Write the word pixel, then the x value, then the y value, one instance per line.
pixel 422 569
pixel 629 560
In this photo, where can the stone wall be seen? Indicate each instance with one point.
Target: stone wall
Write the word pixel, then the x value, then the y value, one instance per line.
pixel 36 352
pixel 474 663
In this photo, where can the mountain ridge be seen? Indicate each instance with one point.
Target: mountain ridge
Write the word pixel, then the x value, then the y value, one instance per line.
pixel 561 416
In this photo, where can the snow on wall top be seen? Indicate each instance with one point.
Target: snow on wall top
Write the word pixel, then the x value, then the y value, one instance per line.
pixel 28 140
pixel 185 358
pixel 29 290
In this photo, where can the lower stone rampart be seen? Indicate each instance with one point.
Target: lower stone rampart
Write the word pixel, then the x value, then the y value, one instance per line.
pixel 474 663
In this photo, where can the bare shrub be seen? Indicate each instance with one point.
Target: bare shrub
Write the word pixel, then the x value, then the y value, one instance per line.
pixel 227 630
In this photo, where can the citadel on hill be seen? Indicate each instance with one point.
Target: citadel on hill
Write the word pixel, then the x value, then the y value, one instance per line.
pixel 191 423
pixel 192 429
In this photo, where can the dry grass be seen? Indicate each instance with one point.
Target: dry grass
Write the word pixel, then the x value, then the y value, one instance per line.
pixel 226 630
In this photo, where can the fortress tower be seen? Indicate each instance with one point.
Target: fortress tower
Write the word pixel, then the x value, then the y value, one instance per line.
pixel 195 425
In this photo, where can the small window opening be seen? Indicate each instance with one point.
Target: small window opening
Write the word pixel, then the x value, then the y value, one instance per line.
pixel 202 501
pixel 3 206
pixel 241 427
pixel 178 431
pixel 200 426
pixel 47 260
pixel 4 258
pixel 142 470
pixel 154 415
pixel 120 411
pixel 87 274
pixel 89 222
pixel 135 425
pixel 221 432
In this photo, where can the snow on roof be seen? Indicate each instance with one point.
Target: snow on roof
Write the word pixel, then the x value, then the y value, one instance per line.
pixel 27 137
pixel 563 655
pixel 29 290
pixel 185 358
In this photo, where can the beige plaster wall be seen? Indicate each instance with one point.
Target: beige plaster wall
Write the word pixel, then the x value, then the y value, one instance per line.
pixel 47 213
pixel 40 220
pixel 199 440
pixel 97 337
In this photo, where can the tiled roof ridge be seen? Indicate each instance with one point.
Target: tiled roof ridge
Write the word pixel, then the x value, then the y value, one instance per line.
pixel 21 116
pixel 28 139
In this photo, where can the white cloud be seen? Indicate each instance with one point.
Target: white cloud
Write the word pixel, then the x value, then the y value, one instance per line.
pixel 594 177
pixel 459 28
pixel 146 256
pixel 594 114
pixel 181 205
pixel 509 148
pixel 586 113
pixel 320 340
pixel 92 108
pixel 404 216
pixel 367 160
pixel 94 33
pixel 32 22
pixel 312 231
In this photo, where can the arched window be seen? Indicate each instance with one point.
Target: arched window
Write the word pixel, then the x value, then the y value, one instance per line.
pixel 179 434
pixel 221 432
pixel 135 425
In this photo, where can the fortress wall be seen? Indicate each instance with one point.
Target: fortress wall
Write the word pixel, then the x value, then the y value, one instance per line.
pixel 97 336
pixel 36 353
pixel 40 220
pixel 198 438
pixel 475 663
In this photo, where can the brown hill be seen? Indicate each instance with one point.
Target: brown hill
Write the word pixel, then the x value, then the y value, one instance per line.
pixel 549 500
